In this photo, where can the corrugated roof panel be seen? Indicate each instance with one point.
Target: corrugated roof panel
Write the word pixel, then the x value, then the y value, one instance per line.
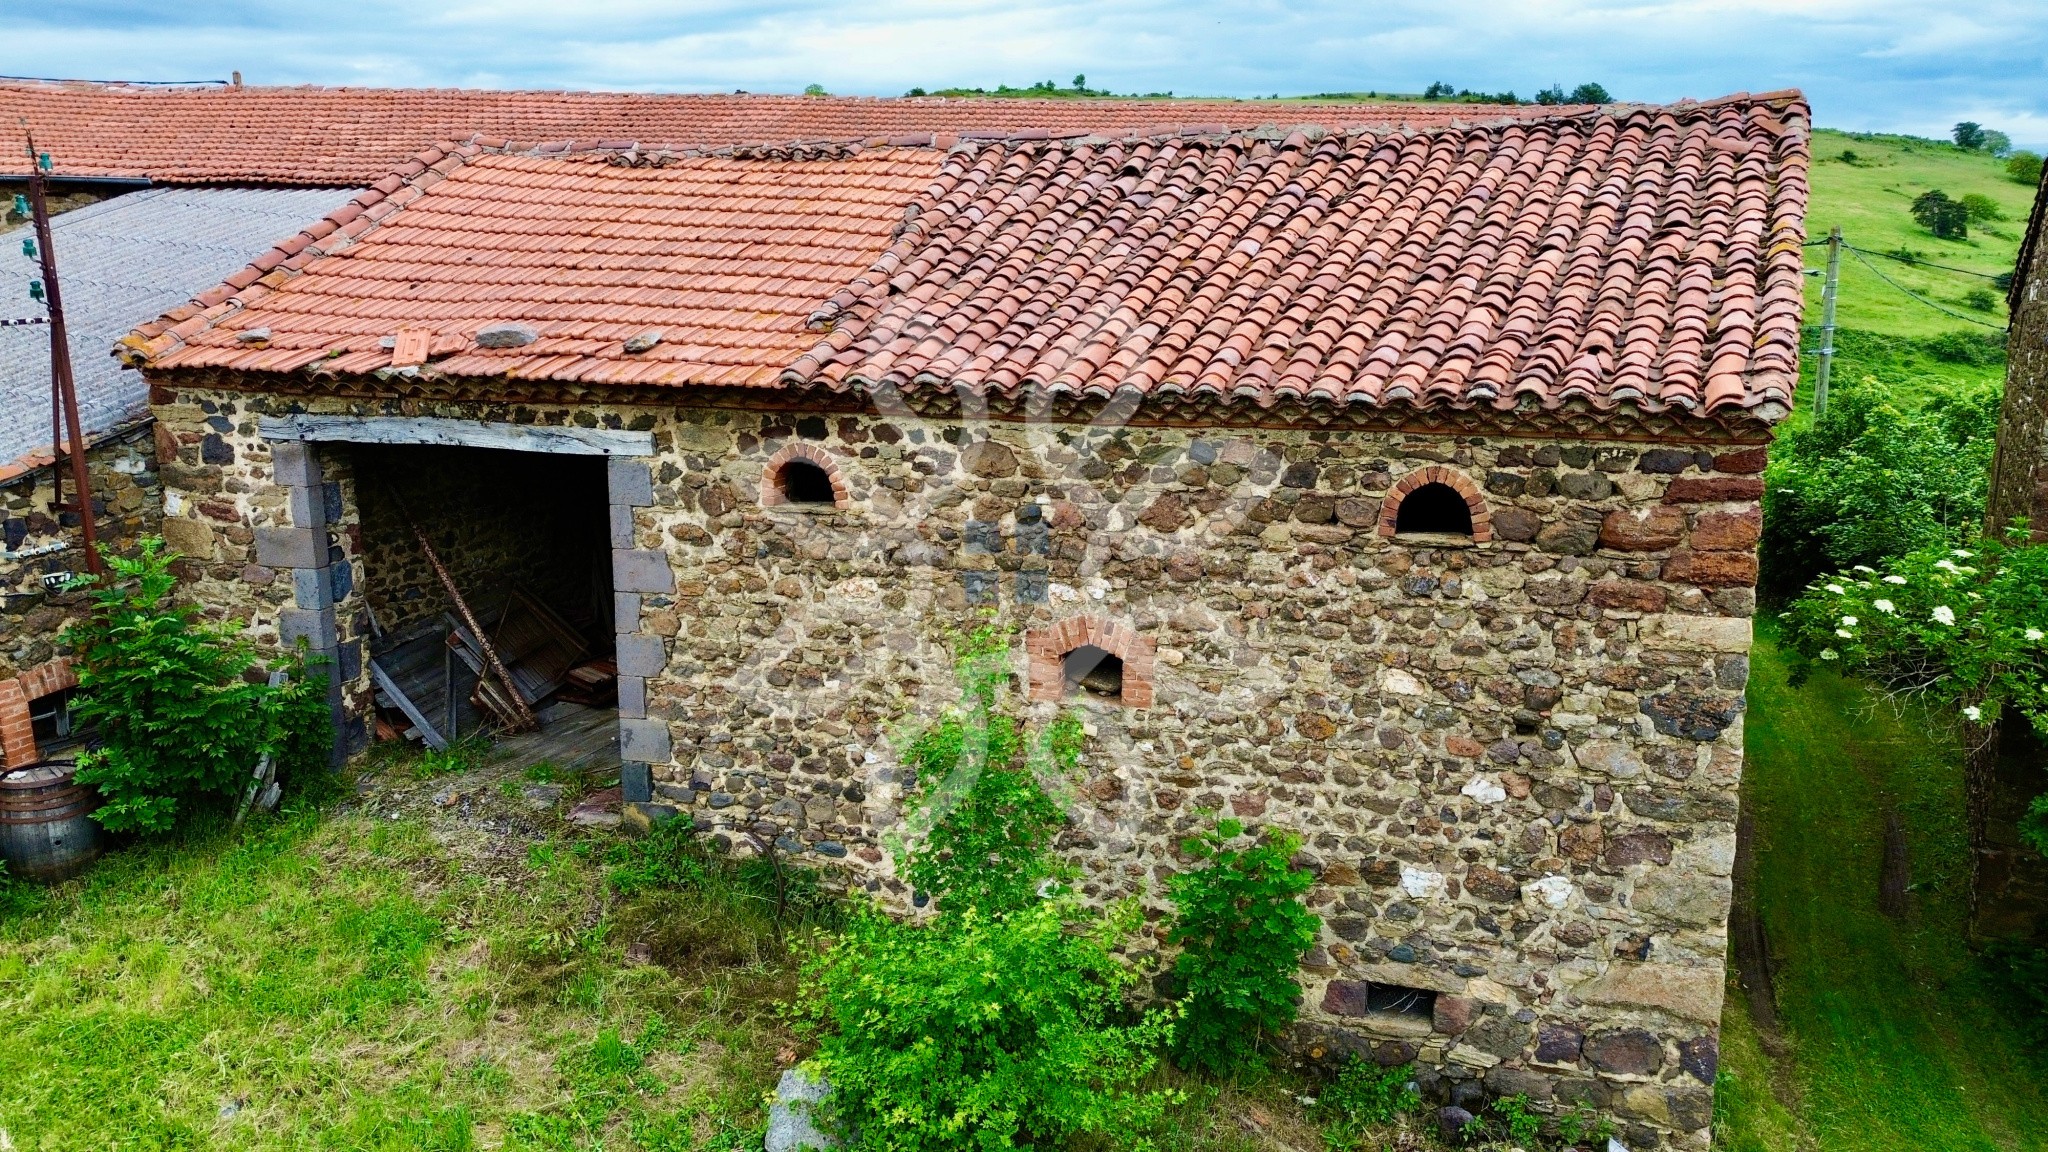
pixel 125 261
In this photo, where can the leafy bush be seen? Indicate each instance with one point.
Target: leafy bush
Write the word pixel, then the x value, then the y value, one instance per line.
pixel 1981 207
pixel 1001 1020
pixel 1241 930
pixel 1965 628
pixel 1364 1096
pixel 982 828
pixel 982 1032
pixel 1870 480
pixel 176 709
pixel 1947 219
pixel 1980 299
pixel 2024 167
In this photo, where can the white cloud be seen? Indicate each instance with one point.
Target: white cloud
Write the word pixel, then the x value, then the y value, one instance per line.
pixel 1866 64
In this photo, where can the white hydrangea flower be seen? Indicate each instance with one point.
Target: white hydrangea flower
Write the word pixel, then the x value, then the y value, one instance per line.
pixel 1865 568
pixel 2035 634
pixel 1947 565
pixel 1827 653
pixel 1837 589
pixel 1848 621
pixel 1845 634
pixel 1960 554
pixel 1884 606
pixel 1895 579
pixel 1943 614
pixel 1973 712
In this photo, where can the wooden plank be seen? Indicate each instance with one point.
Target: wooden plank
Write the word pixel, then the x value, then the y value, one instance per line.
pixel 419 721
pixel 430 430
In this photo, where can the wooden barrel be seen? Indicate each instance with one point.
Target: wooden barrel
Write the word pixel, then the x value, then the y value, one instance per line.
pixel 46 827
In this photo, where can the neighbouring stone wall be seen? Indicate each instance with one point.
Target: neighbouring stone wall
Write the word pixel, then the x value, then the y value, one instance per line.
pixel 36 542
pixel 498 520
pixel 1514 763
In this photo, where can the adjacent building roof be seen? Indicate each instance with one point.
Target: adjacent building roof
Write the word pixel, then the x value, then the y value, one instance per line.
pixel 123 261
pixel 352 136
pixel 1630 257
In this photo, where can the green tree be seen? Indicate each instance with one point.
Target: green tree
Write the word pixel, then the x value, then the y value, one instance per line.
pixel 1968 135
pixel 1997 143
pixel 179 717
pixel 1551 96
pixel 1589 94
pixel 2024 167
pixel 1946 218
pixel 1981 207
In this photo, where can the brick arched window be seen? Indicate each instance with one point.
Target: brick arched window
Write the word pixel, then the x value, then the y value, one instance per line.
pixel 801 474
pixel 1439 501
pixel 17 729
pixel 1090 654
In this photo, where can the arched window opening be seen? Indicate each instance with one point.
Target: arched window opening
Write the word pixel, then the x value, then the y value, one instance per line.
pixel 802 482
pixel 1094 671
pixel 1434 509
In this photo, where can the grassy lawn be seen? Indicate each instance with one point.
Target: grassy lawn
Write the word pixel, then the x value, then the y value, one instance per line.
pixel 435 965
pixel 382 977
pixel 1896 1038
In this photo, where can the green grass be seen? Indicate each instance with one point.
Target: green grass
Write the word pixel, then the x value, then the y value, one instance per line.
pixel 347 982
pixel 1870 200
pixel 1898 1036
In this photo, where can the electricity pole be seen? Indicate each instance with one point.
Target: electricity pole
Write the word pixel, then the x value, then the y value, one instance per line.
pixel 64 393
pixel 1827 323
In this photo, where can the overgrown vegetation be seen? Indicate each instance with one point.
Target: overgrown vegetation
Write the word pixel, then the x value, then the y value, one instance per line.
pixel 1362 1098
pixel 1877 475
pixel 181 721
pixel 1241 929
pixel 1002 1019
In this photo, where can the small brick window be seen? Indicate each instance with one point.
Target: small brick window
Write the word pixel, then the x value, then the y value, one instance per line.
pixel 1436 509
pixel 1090 657
pixel 802 476
pixel 1092 670
pixel 1436 505
pixel 803 482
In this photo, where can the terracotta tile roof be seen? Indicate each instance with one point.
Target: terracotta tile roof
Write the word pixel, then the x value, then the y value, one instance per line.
pixel 1645 255
pixel 351 136
pixel 724 257
pixel 1632 257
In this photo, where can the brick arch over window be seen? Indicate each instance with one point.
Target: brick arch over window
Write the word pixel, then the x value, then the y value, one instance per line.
pixel 17 733
pixel 1456 481
pixel 1047 648
pixel 771 476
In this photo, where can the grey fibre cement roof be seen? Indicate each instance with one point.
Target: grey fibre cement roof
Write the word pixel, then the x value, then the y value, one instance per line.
pixel 122 262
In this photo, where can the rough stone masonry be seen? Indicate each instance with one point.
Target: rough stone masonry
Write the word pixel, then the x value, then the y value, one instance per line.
pixel 1513 759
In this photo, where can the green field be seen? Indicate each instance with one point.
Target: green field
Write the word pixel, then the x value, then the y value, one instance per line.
pixel 1897 1036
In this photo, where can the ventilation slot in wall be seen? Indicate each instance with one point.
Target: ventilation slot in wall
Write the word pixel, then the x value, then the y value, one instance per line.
pixel 1434 510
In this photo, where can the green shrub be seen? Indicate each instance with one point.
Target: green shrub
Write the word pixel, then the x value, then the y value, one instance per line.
pixel 1364 1096
pixel 1870 480
pixel 982 1032
pixel 1511 1118
pixel 981 826
pixel 174 703
pixel 1981 207
pixel 2024 167
pixel 1241 930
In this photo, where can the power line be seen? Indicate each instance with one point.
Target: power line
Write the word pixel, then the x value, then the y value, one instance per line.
pixel 1922 299
pixel 1918 263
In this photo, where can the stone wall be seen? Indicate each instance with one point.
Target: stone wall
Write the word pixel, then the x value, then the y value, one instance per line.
pixel 1514 763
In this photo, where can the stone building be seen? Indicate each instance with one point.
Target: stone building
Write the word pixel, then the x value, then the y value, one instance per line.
pixel 2010 891
pixel 125 252
pixel 1396 487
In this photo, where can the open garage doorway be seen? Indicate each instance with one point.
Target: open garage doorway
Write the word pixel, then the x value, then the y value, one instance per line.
pixel 483 565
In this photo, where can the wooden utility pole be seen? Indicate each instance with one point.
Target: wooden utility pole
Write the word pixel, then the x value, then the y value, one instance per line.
pixel 1827 323
pixel 63 390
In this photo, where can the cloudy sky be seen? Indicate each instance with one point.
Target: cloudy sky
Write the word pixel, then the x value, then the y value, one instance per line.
pixel 1896 65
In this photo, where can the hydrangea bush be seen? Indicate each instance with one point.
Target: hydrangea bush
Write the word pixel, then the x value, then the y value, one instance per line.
pixel 1958 629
